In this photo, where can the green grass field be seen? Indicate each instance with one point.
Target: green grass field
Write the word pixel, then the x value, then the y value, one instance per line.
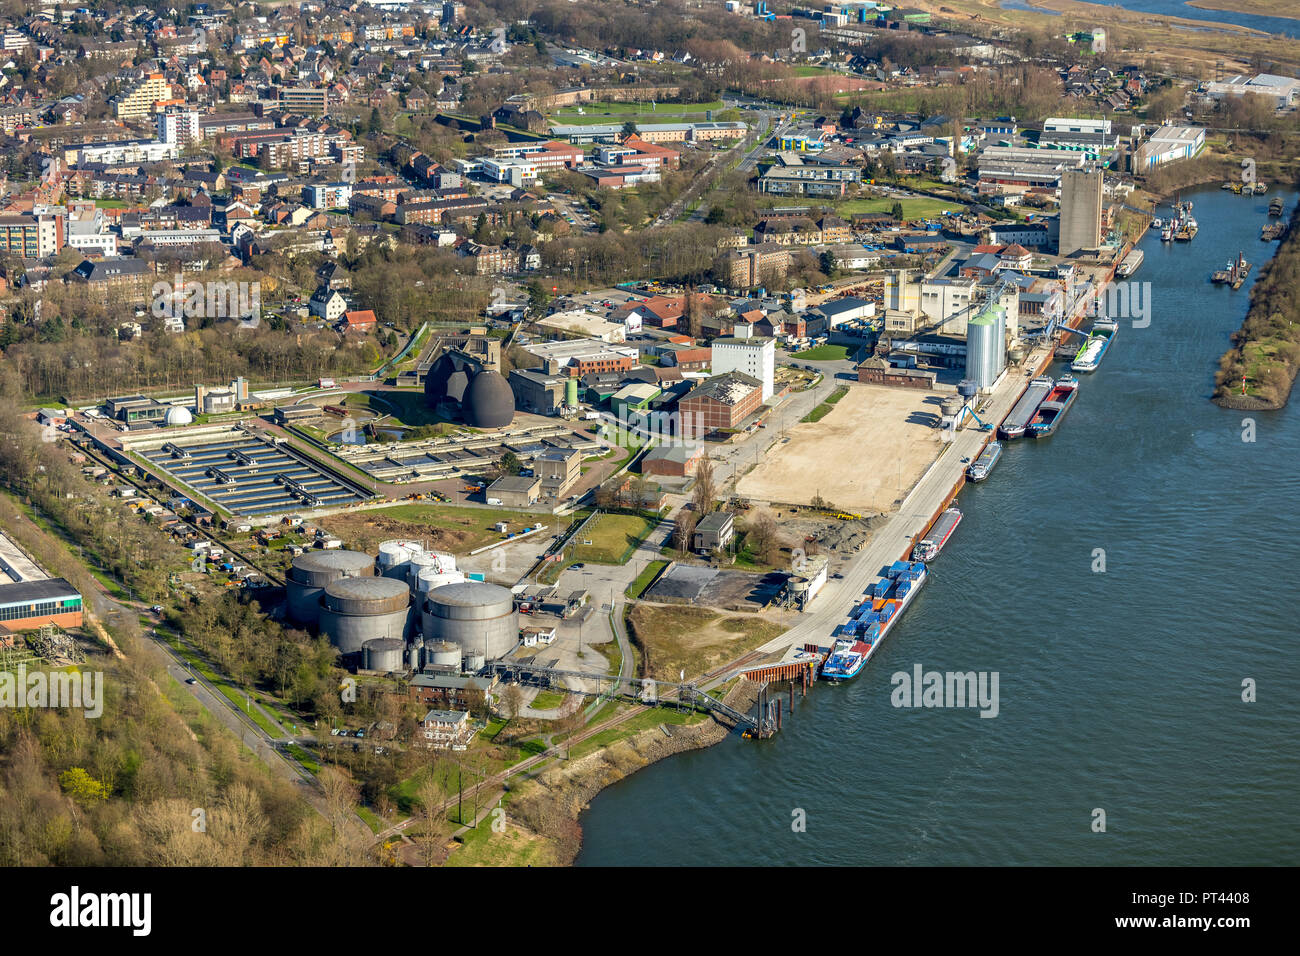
pixel 570 114
pixel 920 207
pixel 824 409
pixel 637 587
pixel 613 538
pixel 824 353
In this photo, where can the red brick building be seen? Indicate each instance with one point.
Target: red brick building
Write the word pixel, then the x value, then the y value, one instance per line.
pixel 723 401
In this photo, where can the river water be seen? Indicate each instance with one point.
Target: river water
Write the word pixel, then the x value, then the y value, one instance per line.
pixel 1119 690
pixel 1177 8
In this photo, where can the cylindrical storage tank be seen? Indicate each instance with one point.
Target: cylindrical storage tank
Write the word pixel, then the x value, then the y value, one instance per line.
pixel 474 663
pixel 571 393
pixel 952 405
pixel 394 557
pixel 443 561
pixel 415 653
pixel 419 562
pixel 429 579
pixel 311 572
pixel 443 654
pixel 980 347
pixel 478 617
pixel 356 610
pixel 966 388
pixel 383 654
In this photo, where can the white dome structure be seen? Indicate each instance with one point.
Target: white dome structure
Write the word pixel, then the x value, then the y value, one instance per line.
pixel 178 415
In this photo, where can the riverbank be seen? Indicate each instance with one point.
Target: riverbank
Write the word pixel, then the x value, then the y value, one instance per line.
pixel 550 805
pixel 1259 371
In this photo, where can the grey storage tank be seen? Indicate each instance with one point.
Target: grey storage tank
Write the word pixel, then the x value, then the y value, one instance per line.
pixel 383 654
pixel 443 655
pixel 356 610
pixel 478 617
pixel 311 572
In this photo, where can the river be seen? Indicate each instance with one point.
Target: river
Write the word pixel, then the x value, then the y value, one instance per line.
pixel 1177 8
pixel 1119 690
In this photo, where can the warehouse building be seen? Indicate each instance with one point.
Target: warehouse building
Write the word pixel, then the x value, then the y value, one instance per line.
pixel 754 356
pixel 723 401
pixel 514 491
pixel 1168 144
pixel 27 605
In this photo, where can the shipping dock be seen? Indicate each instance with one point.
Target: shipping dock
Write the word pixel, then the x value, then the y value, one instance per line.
pixel 1234 274
pixel 1017 420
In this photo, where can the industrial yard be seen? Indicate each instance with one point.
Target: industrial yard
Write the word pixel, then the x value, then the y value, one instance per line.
pixel 887 434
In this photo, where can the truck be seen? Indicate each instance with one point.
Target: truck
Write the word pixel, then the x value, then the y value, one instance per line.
pixel 325 383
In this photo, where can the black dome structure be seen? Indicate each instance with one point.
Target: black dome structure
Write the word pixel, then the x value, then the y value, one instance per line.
pixel 458 384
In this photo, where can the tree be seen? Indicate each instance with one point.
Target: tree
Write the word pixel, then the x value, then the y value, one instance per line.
pixel 762 536
pixel 81 786
pixel 684 532
pixel 896 211
pixel 706 489
pixel 512 701
pixel 510 464
pixel 629 129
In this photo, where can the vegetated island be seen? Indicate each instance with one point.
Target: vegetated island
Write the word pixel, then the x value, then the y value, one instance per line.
pixel 1265 351
pixel 1262 8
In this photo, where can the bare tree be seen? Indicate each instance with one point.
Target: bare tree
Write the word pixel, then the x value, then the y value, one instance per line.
pixel 684 532
pixel 512 701
pixel 430 797
pixel 706 487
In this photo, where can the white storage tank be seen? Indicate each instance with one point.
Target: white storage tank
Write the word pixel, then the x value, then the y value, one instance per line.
pixel 394 558
pixel 419 562
pixel 430 579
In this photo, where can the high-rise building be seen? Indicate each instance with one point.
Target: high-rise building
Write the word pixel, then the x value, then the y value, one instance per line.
pixel 1080 211
pixel 180 127
pixel 755 357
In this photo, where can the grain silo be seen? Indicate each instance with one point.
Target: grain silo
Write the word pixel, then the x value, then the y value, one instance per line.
pixel 986 345
pixel 383 654
pixel 356 610
pixel 478 617
pixel 311 572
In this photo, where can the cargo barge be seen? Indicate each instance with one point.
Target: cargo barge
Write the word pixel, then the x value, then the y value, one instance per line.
pixel 1013 426
pixel 872 620
pixel 928 548
pixel 1276 206
pixel 1054 407
pixel 980 468
pixel 1130 264
pixel 1234 274
pixel 1095 346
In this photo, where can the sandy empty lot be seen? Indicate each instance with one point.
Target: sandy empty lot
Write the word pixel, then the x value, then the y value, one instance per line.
pixel 863 456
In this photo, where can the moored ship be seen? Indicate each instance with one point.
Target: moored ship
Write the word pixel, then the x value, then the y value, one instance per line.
pixel 1013 426
pixel 1049 414
pixel 872 620
pixel 1095 346
pixel 981 467
pixel 1130 263
pixel 928 548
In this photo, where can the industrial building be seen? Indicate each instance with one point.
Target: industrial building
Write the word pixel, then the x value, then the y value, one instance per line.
pixel 1080 211
pixel 723 401
pixel 29 598
pixel 754 356
pixel 1168 144
pixel 714 532
pixel 514 491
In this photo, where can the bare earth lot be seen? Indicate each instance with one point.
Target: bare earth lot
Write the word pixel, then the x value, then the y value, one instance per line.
pixel 863 456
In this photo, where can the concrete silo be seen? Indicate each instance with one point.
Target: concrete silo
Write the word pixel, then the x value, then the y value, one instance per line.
pixel 384 654
pixel 356 610
pixel 311 572
pixel 478 617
